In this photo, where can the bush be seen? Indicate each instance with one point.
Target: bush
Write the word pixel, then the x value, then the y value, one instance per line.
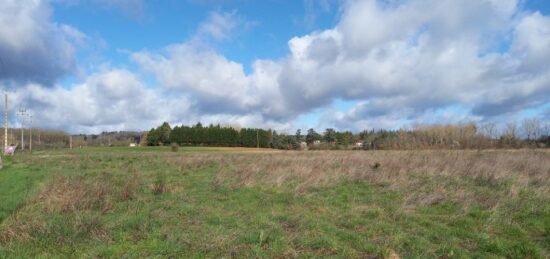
pixel 174 147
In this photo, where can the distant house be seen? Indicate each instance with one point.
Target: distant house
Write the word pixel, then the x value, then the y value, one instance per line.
pixel 359 144
pixel 133 145
pixel 303 145
pixel 316 142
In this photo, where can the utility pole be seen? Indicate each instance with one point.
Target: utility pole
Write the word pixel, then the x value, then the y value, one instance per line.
pixel 70 141
pixel 30 133
pixel 5 122
pixel 22 112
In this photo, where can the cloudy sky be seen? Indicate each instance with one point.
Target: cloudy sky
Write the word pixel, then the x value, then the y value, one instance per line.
pixel 95 65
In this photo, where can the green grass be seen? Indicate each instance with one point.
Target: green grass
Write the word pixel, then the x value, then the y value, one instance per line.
pixel 142 149
pixel 193 216
pixel 17 182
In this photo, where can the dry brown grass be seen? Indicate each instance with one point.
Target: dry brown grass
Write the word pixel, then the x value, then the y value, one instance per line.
pixel 76 199
pixel 242 150
pixel 22 226
pixel 427 177
pixel 65 194
pixel 69 194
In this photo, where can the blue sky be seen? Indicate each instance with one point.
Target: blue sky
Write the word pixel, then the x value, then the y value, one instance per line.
pixel 156 24
pixel 350 64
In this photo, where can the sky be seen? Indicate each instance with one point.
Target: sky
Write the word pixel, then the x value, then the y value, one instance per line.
pixel 87 66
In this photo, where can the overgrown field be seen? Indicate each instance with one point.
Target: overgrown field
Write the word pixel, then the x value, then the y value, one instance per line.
pixel 146 202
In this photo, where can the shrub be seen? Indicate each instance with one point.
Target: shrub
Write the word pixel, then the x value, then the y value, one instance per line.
pixel 174 147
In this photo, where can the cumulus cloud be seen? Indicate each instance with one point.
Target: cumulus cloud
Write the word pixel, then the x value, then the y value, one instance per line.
pixel 118 99
pixel 399 58
pixel 112 100
pixel 400 61
pixel 33 48
pixel 219 85
pixel 216 86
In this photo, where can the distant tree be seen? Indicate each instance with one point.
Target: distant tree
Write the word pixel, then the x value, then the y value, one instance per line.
pixel 344 138
pixel 274 139
pixel 292 143
pixel 312 136
pixel 143 139
pixel 153 137
pixel 164 133
pixel 546 129
pixel 330 135
pixel 531 128
pixel 510 136
pixel 489 130
pixel 299 137
pixel 285 142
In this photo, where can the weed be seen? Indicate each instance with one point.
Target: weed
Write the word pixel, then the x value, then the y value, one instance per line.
pixel 159 185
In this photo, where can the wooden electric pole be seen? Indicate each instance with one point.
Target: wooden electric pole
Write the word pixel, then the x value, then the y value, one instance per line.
pixel 30 133
pixel 22 113
pixel 5 122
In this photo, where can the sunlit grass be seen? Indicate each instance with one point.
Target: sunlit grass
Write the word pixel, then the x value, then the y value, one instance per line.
pixel 143 202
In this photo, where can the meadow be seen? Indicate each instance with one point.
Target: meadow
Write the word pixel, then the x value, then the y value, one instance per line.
pixel 238 202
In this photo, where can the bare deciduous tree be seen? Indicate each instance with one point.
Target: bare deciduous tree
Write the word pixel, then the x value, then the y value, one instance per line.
pixel 531 128
pixel 511 130
pixel 489 130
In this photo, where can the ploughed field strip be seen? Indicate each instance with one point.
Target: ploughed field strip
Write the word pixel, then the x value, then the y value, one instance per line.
pixel 143 202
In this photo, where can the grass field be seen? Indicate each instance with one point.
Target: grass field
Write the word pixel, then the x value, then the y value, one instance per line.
pixel 222 202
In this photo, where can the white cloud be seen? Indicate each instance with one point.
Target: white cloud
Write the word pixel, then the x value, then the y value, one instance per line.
pixel 217 84
pixel 218 87
pixel 401 61
pixel 32 48
pixel 111 100
pixel 219 25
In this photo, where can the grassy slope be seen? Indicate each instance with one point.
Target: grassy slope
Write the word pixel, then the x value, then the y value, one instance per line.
pixel 191 215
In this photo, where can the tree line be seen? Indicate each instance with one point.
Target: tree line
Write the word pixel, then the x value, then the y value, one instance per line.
pixel 530 133
pixel 212 135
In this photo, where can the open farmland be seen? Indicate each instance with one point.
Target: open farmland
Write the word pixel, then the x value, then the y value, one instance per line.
pixel 208 202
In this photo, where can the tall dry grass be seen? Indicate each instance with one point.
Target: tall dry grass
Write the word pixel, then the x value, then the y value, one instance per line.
pixel 77 199
pixel 426 176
